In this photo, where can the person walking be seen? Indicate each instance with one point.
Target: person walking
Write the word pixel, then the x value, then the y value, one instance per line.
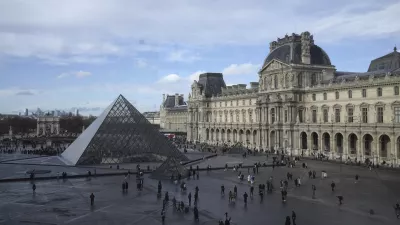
pixel 34 188
pixel 190 198
pixel 196 213
pixel 356 178
pixel 251 191
pixel 294 218
pixel 222 190
pixel 313 190
pixel 245 196
pixel 287 222
pixel 333 185
pixel 340 198
pixel 91 199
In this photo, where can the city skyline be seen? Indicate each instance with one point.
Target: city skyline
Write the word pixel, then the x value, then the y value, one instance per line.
pixel 84 54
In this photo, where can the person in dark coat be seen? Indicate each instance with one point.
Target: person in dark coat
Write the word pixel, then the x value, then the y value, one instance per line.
pixel 34 188
pixel 190 198
pixel 294 218
pixel 245 196
pixel 287 222
pixel 196 213
pixel 333 185
pixel 91 199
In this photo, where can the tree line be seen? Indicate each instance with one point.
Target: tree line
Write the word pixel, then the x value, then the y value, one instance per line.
pixel 72 124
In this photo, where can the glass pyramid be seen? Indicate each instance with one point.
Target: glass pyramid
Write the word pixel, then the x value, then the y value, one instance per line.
pixel 121 134
pixel 171 167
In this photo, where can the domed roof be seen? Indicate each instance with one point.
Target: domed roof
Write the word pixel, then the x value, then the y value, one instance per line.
pixel 291 53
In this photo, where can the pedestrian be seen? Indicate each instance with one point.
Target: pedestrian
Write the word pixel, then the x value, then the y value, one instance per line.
pixel 163 216
pixel 340 199
pixel 314 174
pixel 196 213
pixel 314 188
pixel 190 198
pixel 196 197
pixel 309 174
pixel 287 222
pixel 91 199
pixel 245 198
pixel 34 188
pixel 356 178
pixel 294 218
pixel 222 190
pixel 197 174
pixel 333 185
pixel 397 210
pixel 251 191
pixel 235 190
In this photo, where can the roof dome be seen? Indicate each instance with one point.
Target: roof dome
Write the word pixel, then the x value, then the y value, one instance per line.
pixel 291 53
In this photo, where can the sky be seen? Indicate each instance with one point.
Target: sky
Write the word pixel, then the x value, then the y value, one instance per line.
pixel 84 53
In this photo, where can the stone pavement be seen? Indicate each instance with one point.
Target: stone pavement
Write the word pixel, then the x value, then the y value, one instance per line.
pixel 67 202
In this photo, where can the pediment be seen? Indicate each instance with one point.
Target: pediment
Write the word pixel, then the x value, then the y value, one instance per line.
pixel 274 65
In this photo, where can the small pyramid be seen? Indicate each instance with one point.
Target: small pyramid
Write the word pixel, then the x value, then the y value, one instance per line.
pixel 170 167
pixel 121 134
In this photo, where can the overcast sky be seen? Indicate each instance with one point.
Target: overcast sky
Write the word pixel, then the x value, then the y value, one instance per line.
pixel 68 54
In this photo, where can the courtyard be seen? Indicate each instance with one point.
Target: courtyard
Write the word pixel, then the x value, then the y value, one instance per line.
pixel 67 201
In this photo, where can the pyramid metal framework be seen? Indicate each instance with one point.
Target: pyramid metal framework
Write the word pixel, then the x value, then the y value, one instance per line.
pixel 121 134
pixel 170 167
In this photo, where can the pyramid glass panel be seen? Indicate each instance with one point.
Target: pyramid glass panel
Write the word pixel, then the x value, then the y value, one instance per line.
pixel 122 135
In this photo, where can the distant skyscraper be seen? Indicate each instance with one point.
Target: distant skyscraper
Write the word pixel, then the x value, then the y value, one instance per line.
pixel 26 112
pixel 77 112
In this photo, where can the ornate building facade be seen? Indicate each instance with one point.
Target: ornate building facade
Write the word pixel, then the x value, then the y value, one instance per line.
pixel 302 104
pixel 173 114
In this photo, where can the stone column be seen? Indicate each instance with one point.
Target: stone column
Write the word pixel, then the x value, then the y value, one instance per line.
pixel 333 145
pixel 360 152
pixel 377 150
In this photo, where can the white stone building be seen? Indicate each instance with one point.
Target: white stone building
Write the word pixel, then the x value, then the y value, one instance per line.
pixel 302 104
pixel 173 114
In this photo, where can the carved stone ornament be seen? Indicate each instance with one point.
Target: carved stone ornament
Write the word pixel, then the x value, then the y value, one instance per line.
pixel 282 80
pixel 357 78
pixel 371 78
pixel 343 81
pixel 387 75
pixel 274 66
pixel 330 82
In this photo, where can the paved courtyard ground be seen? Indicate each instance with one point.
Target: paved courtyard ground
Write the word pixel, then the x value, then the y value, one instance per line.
pixel 67 202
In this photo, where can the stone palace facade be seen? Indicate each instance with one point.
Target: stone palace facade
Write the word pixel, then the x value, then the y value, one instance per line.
pixel 302 104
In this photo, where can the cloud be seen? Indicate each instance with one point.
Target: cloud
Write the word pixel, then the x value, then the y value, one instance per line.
pixel 140 63
pixel 182 56
pixel 78 74
pixel 170 78
pixel 241 69
pixel 25 93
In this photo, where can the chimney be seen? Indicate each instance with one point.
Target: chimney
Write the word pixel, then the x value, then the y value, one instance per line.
pixel 176 99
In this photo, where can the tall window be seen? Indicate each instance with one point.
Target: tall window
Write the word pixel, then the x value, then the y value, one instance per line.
pixel 300 97
pixel 314 116
pixel 364 115
pixel 300 80
pixel 337 115
pixel 396 90
pixel 249 101
pixel 300 115
pixel 350 112
pixel 314 97
pixel 276 82
pixel 350 94
pixel 325 96
pixel 379 115
pixel 243 102
pixel 379 92
pixel 226 103
pixel 364 93
pixel 337 95
pixel 250 117
pixel 397 114
pixel 325 115
pixel 286 116
pixel 313 79
pixel 272 115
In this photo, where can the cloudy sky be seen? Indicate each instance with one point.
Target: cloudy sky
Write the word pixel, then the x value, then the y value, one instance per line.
pixel 83 53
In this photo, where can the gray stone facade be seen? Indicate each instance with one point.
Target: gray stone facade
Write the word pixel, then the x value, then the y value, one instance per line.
pixel 302 104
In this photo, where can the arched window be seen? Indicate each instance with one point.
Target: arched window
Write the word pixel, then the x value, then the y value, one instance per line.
pixel 379 92
pixel 396 90
pixel 314 97
pixel 337 95
pixel 325 96
pixel 273 115
pixel 300 80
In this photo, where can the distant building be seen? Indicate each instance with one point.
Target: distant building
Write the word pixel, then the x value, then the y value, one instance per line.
pixel 152 117
pixel 173 114
pixel 76 112
pixel 26 112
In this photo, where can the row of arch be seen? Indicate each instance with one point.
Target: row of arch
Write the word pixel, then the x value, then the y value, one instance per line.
pixel 233 136
pixel 367 144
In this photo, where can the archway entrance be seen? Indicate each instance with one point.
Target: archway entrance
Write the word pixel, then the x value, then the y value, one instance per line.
pixel 303 140
pixel 217 135
pixel 327 141
pixel 241 133
pixel 384 145
pixel 212 134
pixel 339 142
pixel 353 143
pixel 255 138
pixel 223 135
pixel 367 142
pixel 247 137
pixel 207 134
pixel 314 137
pixel 234 136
